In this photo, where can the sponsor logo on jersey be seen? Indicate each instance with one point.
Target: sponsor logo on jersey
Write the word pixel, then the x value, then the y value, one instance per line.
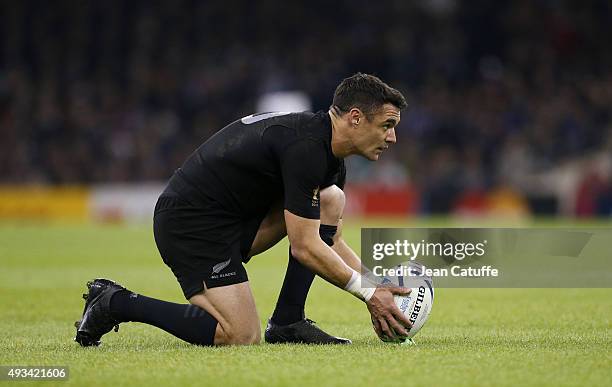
pixel 315 197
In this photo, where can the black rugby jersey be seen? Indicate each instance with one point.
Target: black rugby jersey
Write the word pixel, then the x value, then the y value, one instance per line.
pixel 257 160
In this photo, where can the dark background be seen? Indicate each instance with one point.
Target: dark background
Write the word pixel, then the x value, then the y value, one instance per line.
pixel 123 91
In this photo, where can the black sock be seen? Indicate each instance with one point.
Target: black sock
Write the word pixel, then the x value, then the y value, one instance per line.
pixel 185 321
pixel 297 282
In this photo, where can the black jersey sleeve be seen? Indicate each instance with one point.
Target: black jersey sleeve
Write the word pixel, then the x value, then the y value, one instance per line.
pixel 338 178
pixel 304 166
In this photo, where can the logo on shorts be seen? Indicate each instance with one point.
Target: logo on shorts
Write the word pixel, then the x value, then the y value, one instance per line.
pixel 220 266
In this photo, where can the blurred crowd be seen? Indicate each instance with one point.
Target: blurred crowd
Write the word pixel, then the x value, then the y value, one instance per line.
pixel 117 91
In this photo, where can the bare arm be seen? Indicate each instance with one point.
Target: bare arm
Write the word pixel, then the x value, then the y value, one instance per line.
pixel 312 252
pixel 308 248
pixel 350 257
pixel 345 251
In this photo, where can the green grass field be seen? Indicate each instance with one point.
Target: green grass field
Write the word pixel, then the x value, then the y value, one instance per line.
pixel 474 337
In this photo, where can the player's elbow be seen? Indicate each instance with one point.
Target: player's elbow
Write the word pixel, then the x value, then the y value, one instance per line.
pixel 303 252
pixel 304 238
pixel 300 240
pixel 300 252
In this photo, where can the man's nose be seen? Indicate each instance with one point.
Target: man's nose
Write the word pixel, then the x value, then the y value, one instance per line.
pixel 391 136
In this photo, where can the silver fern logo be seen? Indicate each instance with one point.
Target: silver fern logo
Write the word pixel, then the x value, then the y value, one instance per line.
pixel 220 266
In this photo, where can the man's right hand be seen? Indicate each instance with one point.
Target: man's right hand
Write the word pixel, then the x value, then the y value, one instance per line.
pixel 387 319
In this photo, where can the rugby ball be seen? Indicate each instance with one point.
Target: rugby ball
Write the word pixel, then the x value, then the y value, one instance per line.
pixel 418 303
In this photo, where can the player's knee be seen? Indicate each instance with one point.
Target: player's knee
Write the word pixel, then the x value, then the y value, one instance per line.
pixel 332 203
pixel 256 335
pixel 244 337
pixel 238 335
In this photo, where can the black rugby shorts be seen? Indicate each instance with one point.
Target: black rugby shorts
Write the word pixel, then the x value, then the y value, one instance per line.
pixel 202 244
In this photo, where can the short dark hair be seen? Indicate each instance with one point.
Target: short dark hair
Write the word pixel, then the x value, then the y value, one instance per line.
pixel 367 93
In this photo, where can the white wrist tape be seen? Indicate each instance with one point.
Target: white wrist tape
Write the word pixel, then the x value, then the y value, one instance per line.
pixel 360 287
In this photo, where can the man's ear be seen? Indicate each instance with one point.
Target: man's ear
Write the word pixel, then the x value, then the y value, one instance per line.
pixel 355 116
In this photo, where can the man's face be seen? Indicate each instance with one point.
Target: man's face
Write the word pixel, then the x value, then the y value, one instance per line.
pixel 373 136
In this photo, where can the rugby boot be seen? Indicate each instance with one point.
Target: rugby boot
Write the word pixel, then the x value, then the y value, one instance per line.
pixel 304 331
pixel 97 319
